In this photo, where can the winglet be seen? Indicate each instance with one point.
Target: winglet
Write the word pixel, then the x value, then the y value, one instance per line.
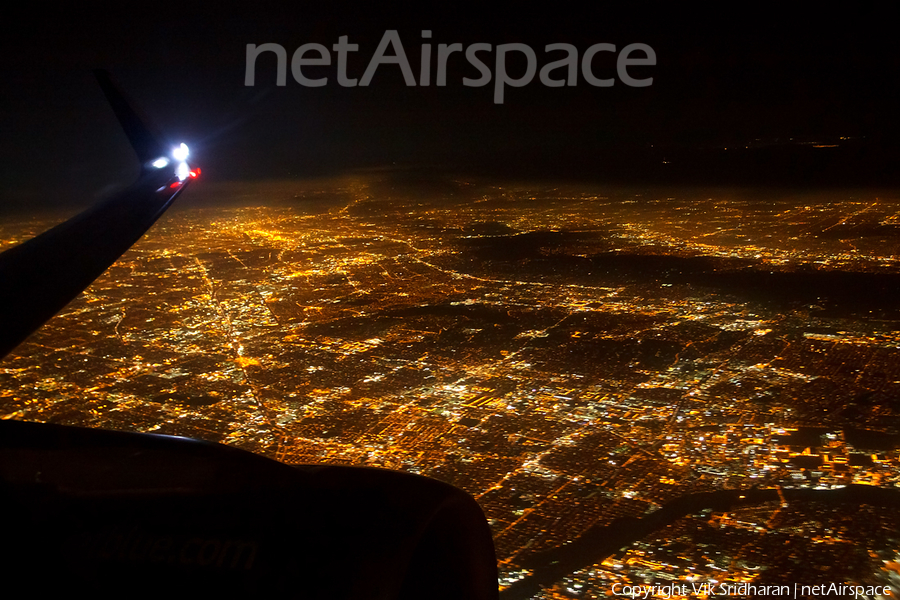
pixel 147 143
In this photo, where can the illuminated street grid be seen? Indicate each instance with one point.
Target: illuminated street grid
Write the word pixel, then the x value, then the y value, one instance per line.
pixel 494 342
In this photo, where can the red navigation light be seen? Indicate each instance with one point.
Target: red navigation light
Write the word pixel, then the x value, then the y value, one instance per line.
pixel 194 174
pixel 175 184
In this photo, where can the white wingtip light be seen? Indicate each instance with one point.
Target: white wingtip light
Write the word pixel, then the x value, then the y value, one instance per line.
pixel 182 171
pixel 160 162
pixel 180 153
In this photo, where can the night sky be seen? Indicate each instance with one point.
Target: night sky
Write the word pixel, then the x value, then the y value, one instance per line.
pixel 721 80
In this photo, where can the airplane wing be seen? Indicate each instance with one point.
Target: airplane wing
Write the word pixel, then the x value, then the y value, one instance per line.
pixel 114 513
pixel 40 276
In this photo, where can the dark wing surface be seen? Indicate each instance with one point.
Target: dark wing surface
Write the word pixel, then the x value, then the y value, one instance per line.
pixel 40 276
